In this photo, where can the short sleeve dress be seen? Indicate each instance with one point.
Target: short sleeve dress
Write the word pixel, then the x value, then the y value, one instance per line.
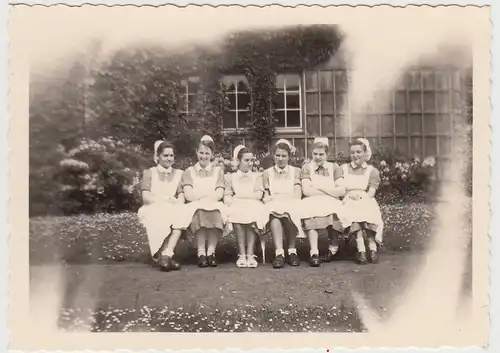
pixel 246 211
pixel 203 214
pixel 322 211
pixel 158 217
pixel 364 212
pixel 280 182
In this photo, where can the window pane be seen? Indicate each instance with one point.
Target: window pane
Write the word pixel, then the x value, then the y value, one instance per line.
pixel 243 101
pixel 414 80
pixel 386 125
pixel 280 101
pixel 312 80
pixel 292 101
pixel 293 118
pixel 402 146
pixel 341 103
pixel 401 124
pixel 444 146
pixel 443 102
pixel 229 121
pixel 457 80
pixel 428 80
pixel 280 82
pixel 242 85
pixel 443 124
pixel 312 103
pixel 371 125
pixel 192 102
pixel 292 82
pixel 430 144
pixel 416 147
pixel 415 102
pixel 327 125
pixel 429 101
pixel 244 120
pixel 400 101
pixel 442 80
pixel 415 124
pixel 357 125
pixel 342 125
pixel 232 101
pixel 193 85
pixel 327 106
pixel 280 117
pixel 341 82
pixel 430 124
pixel 313 125
pixel 326 81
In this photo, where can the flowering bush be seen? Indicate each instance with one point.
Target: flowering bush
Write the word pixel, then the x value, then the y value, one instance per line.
pixel 101 176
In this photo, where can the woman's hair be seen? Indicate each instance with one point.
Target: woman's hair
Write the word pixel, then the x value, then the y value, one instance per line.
pixel 208 144
pixel 242 151
pixel 357 143
pixel 162 146
pixel 321 145
pixel 283 146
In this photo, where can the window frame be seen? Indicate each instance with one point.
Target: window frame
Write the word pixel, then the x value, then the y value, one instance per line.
pixel 185 94
pixel 235 112
pixel 300 92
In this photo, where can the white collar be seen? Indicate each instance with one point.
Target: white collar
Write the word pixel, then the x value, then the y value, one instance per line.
pixel 241 174
pixel 282 170
pixel 315 166
pixel 164 170
pixel 198 167
pixel 354 166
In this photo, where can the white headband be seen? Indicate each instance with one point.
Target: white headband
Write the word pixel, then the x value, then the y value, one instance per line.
pixel 207 138
pixel 286 142
pixel 368 149
pixel 322 140
pixel 237 150
pixel 155 151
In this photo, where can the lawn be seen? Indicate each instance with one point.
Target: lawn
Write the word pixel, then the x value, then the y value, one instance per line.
pixel 110 283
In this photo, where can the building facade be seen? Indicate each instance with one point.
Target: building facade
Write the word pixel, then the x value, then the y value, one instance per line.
pixel 415 117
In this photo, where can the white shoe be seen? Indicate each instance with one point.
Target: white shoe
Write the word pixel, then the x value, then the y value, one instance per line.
pixel 242 261
pixel 252 261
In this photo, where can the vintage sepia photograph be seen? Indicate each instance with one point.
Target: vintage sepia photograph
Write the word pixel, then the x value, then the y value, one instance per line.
pixel 296 170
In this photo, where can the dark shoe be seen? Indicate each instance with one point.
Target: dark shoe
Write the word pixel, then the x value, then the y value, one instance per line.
pixel 361 257
pixel 212 261
pixel 202 261
pixel 165 263
pixel 374 257
pixel 279 261
pixel 314 261
pixel 293 260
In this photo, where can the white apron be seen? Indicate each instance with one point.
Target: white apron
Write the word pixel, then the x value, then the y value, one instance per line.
pixel 159 217
pixel 202 187
pixel 364 210
pixel 321 205
pixel 283 202
pixel 246 211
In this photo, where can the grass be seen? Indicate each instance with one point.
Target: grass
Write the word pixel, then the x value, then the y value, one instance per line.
pixel 110 286
pixel 120 237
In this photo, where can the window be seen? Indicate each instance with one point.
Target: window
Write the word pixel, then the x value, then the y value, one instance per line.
pixel 288 109
pixel 238 93
pixel 188 94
